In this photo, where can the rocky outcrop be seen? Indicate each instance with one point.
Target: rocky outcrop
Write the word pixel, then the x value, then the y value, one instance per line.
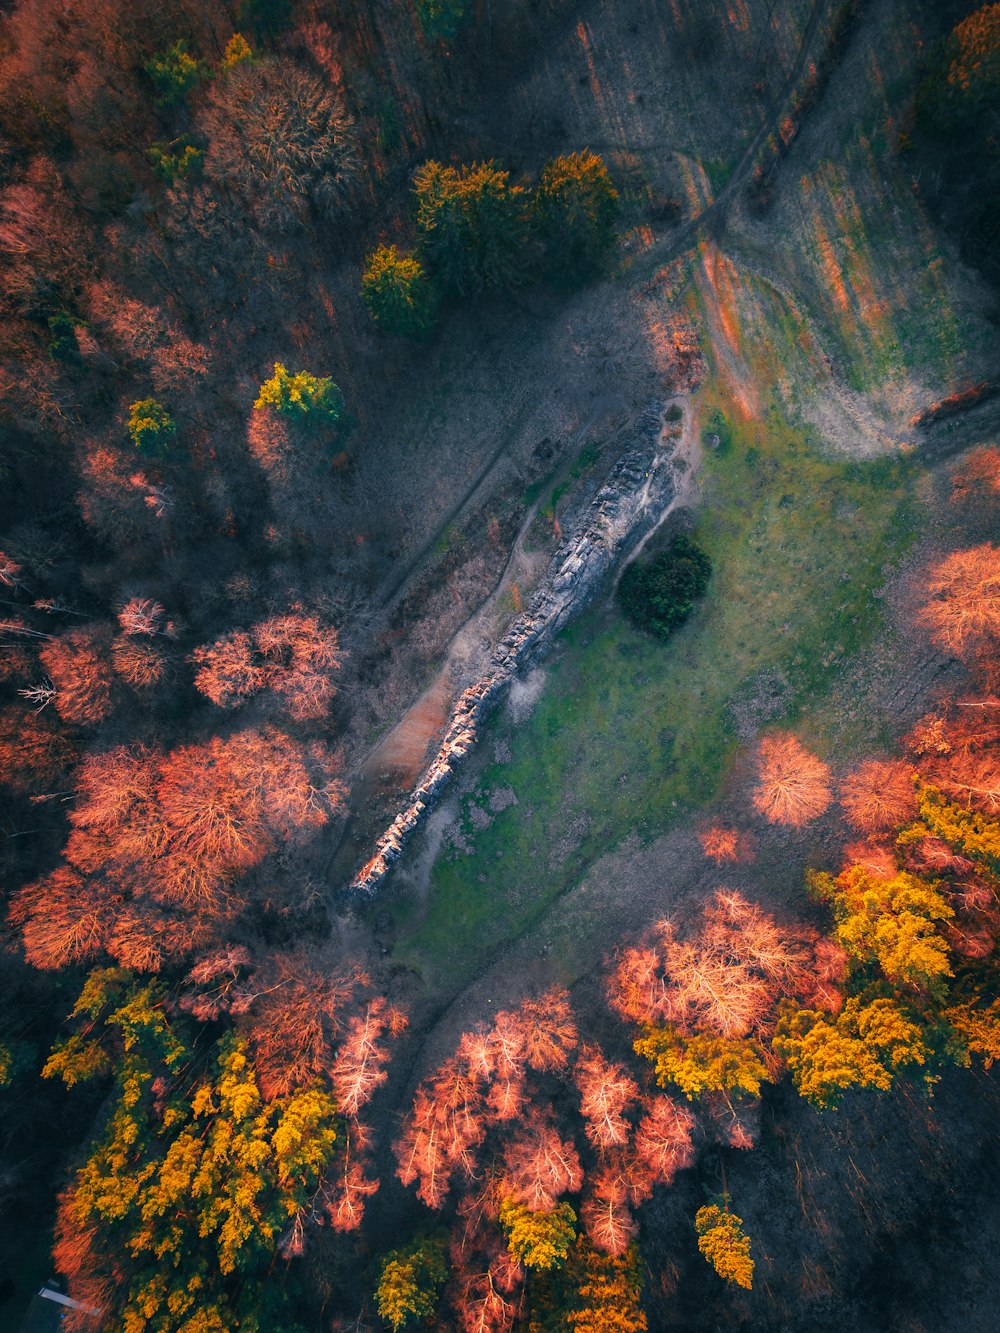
pixel 638 489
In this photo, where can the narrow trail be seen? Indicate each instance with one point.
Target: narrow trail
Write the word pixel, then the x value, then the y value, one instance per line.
pixel 470 645
pixel 713 215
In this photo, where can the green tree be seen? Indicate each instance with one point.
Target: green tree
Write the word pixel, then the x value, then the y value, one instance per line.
pixel 302 396
pixel 196 1180
pixel 238 51
pixel 538 1240
pixel 724 1243
pixel 441 19
pixel 592 1292
pixel 574 212
pixel 702 1063
pixel 177 160
pixel 891 922
pixel 64 345
pixel 410 1280
pixel 174 72
pixel 398 293
pixel 151 427
pixel 867 1045
pixel 472 225
pixel 659 593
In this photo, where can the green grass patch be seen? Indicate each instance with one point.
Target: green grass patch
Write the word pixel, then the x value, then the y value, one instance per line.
pixel 718 171
pixel 630 733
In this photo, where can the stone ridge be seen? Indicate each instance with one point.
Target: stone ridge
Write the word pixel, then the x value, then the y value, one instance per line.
pixel 640 485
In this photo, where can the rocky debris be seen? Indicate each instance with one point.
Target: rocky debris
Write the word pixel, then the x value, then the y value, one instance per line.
pixel 639 487
pixel 502 799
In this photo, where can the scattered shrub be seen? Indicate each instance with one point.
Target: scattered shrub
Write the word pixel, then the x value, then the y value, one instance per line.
pixel 441 19
pixel 301 395
pixel 174 72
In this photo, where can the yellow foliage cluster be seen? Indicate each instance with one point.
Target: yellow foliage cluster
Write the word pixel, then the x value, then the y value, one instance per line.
pixel 724 1243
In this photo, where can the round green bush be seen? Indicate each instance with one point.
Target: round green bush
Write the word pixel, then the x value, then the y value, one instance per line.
pixel 658 594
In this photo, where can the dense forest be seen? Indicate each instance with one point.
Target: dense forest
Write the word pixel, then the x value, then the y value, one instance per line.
pixel 266 271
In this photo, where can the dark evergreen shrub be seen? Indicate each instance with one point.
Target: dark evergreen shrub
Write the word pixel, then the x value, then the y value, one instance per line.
pixel 659 593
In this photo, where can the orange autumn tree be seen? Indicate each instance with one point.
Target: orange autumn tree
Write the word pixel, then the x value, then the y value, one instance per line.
pixel 484 1084
pixel 294 656
pixel 793 785
pixel 978 477
pixel 136 656
pixel 707 1001
pixel 78 664
pixel 726 846
pixel 879 795
pixel 482 1120
pixel 159 842
pixel 963 609
pixel 488 1121
pixel 34 750
pixel 957 750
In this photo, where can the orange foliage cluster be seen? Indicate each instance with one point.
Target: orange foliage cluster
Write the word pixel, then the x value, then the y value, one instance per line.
pixel 158 842
pixel 118 499
pixel 304 1026
pixel 978 477
pixel 726 846
pixel 958 751
pixel 483 1084
pixel 879 795
pixel 976 46
pixel 633 1153
pixel 793 785
pixel 269 436
pixel 292 655
pixel 487 1116
pixel 34 752
pixel 79 666
pixel 954 751
pixel 963 612
pixel 726 978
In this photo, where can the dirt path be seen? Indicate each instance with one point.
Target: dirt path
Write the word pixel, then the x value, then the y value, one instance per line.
pixel 713 215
